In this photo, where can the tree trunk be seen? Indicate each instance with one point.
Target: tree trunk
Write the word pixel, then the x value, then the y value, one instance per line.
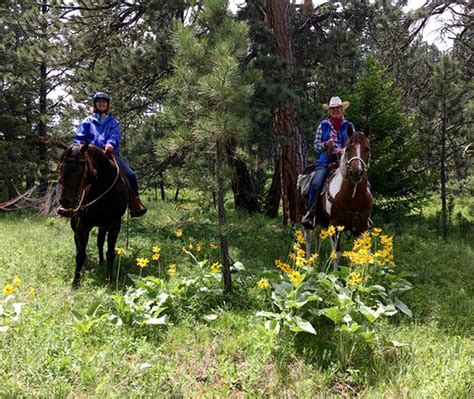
pixel 290 140
pixel 243 186
pixel 272 201
pixel 222 217
pixel 444 212
pixel 42 127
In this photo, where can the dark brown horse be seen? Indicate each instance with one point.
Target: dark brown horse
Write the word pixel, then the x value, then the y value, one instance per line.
pixel 95 193
pixel 347 200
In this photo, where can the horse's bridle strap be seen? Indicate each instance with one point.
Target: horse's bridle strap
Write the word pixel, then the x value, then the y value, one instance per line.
pixel 359 159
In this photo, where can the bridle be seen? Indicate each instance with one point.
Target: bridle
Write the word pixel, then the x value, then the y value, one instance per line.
pixel 364 164
pixel 82 186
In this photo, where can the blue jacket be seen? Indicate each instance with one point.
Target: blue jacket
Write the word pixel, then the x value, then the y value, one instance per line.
pixel 98 132
pixel 323 134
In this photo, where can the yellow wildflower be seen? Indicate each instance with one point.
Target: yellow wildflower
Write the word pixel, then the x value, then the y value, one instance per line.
pixel 299 236
pixel 214 245
pixel 296 246
pixel 172 269
pixel 295 277
pixel 17 281
pixel 32 291
pixel 178 233
pixel 119 251
pixel 331 230
pixel 300 261
pixel 301 253
pixel 190 246
pixel 354 279
pixel 284 267
pixel 155 256
pixel 156 249
pixel 376 231
pixel 339 228
pixel 310 261
pixel 333 255
pixel 199 246
pixel 142 262
pixel 263 283
pixel 8 289
pixel 324 234
pixel 216 267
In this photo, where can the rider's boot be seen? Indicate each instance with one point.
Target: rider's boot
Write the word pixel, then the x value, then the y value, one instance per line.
pixel 137 208
pixel 308 220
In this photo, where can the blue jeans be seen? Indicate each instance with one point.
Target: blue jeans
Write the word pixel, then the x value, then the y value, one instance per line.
pixel 316 184
pixel 132 176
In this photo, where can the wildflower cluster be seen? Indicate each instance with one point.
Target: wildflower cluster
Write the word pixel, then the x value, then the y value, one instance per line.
pixel 298 260
pixel 9 289
pixel 156 252
pixel 372 248
pixel 354 297
pixel 172 269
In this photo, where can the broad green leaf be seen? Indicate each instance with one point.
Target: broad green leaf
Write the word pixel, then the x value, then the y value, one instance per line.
pixel 404 308
pixel 369 314
pixel 156 321
pixel 273 326
pixel 302 325
pixel 269 315
pixel 369 336
pixel 334 314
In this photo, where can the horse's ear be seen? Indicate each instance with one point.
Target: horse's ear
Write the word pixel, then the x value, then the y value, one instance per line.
pixel 367 131
pixel 84 147
pixel 350 130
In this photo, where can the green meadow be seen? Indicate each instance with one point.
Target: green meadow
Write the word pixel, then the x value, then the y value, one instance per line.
pixel 216 347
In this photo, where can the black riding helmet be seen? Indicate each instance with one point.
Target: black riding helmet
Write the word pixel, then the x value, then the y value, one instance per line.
pixel 100 95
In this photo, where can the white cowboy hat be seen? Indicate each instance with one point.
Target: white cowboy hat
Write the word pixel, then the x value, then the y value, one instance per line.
pixel 336 102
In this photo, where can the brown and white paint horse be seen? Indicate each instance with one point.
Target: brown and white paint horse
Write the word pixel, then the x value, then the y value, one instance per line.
pixel 347 200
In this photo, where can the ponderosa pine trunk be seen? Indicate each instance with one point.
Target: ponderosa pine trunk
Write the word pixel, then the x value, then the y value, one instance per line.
pixel 290 148
pixel 220 161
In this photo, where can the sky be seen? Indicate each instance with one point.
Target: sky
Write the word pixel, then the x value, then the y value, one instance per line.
pixel 430 33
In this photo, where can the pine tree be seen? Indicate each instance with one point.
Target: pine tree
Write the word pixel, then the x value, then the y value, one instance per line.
pixel 207 102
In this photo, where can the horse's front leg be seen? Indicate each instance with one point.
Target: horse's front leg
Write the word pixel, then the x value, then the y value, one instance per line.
pixel 113 232
pixel 100 243
pixel 81 237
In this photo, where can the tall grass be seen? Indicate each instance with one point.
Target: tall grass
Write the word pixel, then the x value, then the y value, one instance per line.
pixel 44 355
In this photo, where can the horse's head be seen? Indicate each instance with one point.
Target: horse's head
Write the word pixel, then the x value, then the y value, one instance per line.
pixel 356 159
pixel 73 172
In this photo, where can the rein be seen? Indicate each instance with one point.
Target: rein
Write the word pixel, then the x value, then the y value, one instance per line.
pixel 83 189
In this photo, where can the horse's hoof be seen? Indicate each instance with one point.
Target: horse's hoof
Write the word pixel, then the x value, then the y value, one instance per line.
pixel 75 284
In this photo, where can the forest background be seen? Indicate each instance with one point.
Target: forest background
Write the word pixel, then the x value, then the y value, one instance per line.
pixel 293 56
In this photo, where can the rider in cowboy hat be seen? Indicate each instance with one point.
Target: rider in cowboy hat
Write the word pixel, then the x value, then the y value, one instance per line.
pixel 329 141
pixel 102 129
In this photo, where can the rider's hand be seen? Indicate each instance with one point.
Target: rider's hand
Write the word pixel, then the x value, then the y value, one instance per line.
pixel 109 148
pixel 337 150
pixel 328 144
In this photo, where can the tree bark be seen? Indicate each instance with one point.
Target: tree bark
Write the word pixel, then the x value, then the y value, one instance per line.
pixel 272 200
pixel 444 209
pixel 243 185
pixel 290 140
pixel 42 127
pixel 220 157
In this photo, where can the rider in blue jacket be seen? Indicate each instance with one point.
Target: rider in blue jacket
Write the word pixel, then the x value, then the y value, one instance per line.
pixel 102 129
pixel 330 139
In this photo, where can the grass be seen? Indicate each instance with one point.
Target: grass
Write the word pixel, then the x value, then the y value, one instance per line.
pixel 44 355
